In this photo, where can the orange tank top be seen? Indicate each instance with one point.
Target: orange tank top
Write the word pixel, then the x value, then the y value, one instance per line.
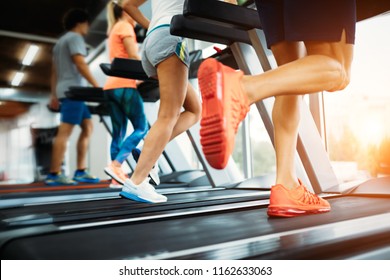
pixel 120 31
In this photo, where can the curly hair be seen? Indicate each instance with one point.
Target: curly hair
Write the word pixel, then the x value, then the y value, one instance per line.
pixel 75 16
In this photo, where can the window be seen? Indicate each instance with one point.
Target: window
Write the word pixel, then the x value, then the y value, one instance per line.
pixel 357 119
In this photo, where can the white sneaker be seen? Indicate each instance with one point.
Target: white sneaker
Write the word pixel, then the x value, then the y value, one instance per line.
pixel 153 175
pixel 143 192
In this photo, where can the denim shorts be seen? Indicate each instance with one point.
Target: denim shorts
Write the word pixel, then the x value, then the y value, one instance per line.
pixel 160 45
pixel 74 111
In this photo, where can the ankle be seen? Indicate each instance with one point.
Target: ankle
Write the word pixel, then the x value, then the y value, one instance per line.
pixel 116 163
pixel 288 183
pixel 246 89
pixel 135 181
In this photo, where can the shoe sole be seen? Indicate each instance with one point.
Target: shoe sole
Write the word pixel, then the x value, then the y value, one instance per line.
pixel 112 174
pixel 293 212
pixel 59 184
pixel 213 130
pixel 87 181
pixel 114 186
pixel 138 198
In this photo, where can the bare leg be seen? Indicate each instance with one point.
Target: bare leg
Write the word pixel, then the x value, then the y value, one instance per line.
pixel 59 146
pixel 191 114
pixel 286 116
pixel 325 68
pixel 298 76
pixel 172 75
pixel 83 142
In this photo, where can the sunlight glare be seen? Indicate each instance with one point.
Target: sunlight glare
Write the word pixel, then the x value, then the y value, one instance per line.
pixel 371 131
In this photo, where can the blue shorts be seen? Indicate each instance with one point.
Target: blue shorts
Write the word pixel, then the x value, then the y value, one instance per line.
pixel 307 20
pixel 160 45
pixel 74 111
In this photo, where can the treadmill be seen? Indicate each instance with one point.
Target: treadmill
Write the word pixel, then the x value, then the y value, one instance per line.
pixel 36 193
pixel 38 209
pixel 46 217
pixel 177 181
pixel 358 227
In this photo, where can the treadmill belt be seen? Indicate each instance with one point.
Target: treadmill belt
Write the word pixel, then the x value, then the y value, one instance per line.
pixel 50 195
pixel 99 209
pixel 374 187
pixel 41 187
pixel 162 236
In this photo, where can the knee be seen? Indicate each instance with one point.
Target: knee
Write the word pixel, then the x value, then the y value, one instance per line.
pixel 340 77
pixel 169 116
pixel 346 78
pixel 138 135
pixel 87 130
pixel 195 110
pixel 63 133
pixel 197 113
pixel 142 130
pixel 195 116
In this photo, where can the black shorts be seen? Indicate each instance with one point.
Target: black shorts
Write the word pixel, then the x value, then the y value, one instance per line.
pixel 307 20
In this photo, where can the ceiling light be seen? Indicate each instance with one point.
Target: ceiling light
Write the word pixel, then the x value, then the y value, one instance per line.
pixel 17 79
pixel 31 53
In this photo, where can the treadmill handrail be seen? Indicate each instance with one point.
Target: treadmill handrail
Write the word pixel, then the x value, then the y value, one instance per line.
pixel 125 68
pixel 205 31
pixel 226 14
pixel 89 94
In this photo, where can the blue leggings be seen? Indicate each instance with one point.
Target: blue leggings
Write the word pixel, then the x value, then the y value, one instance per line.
pixel 126 104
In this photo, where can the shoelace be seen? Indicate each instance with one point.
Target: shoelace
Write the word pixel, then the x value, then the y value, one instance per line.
pixel 310 198
pixel 148 186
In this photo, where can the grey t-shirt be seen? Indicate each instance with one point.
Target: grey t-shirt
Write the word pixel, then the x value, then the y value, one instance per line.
pixel 71 43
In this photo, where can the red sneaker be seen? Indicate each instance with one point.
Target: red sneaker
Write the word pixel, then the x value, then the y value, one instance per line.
pixel 224 106
pixel 295 202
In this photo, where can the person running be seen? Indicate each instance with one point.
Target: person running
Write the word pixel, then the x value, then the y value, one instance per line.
pixel 125 101
pixel 313 43
pixel 69 69
pixel 164 57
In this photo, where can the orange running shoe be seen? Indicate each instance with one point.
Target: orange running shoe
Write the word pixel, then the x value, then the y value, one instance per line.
pixel 295 202
pixel 115 184
pixel 224 106
pixel 116 173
